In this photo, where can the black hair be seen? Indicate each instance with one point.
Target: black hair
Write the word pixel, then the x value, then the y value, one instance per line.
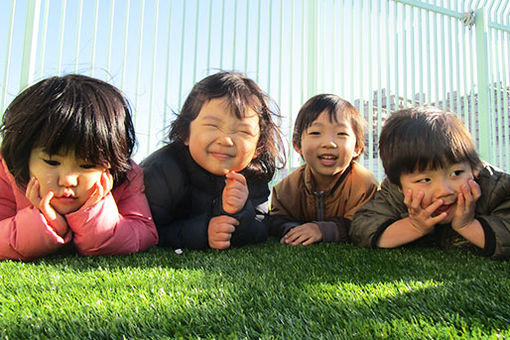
pixel 421 138
pixel 72 113
pixel 241 93
pixel 333 104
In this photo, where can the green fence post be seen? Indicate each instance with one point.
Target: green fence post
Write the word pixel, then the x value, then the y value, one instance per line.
pixel 30 43
pixel 482 60
pixel 312 45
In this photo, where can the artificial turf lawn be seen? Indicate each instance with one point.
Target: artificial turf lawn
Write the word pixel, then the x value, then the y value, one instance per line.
pixel 261 291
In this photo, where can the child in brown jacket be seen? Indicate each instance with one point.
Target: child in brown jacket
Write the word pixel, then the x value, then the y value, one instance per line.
pixel 317 201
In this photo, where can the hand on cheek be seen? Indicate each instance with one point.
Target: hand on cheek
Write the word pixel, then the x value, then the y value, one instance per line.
pixel 464 215
pixel 100 189
pixel 235 192
pixel 53 218
pixel 304 234
pixel 421 218
pixel 220 231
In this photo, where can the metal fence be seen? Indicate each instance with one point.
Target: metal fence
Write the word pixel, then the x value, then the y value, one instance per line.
pixel 380 55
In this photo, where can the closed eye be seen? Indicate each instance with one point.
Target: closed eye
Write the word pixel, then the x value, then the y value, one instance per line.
pixel 88 166
pixel 342 134
pixel 51 162
pixel 314 133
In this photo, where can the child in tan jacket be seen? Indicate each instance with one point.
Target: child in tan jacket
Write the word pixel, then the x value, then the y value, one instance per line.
pixel 317 201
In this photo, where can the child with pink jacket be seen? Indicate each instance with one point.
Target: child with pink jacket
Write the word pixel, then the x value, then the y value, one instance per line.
pixel 66 176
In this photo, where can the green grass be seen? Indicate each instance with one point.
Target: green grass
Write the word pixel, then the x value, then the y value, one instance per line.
pixel 261 291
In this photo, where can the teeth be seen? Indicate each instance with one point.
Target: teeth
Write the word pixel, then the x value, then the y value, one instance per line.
pixel 327 157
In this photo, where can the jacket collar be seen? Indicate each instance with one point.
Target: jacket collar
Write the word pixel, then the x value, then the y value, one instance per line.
pixel 309 182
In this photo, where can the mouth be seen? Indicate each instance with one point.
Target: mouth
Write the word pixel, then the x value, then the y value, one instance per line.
pixel 65 198
pixel 221 155
pixel 444 208
pixel 328 159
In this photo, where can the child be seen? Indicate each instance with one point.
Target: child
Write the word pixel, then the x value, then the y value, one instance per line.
pixel 317 201
pixel 66 176
pixel 209 186
pixel 436 188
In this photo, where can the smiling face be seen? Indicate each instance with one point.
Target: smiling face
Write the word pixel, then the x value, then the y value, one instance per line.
pixel 328 147
pixel 219 141
pixel 441 183
pixel 69 178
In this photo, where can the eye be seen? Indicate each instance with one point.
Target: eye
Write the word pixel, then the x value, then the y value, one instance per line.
pixel 51 162
pixel 342 133
pixel 456 173
pixel 88 166
pixel 314 133
pixel 423 180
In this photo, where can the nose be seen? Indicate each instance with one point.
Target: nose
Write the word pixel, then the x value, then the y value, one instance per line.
pixel 226 139
pixel 329 143
pixel 444 189
pixel 68 179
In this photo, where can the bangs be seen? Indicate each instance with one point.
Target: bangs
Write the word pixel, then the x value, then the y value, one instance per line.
pixel 423 153
pixel 422 139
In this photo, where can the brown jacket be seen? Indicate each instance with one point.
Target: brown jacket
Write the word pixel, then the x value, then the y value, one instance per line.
pixel 295 201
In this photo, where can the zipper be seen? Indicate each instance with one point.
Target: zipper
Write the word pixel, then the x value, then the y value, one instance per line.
pixel 320 205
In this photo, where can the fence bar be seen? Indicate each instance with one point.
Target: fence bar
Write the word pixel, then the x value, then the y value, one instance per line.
pixel 153 77
pixel 94 40
pixel 432 8
pixel 78 38
pixel 483 81
pixel 7 58
pixel 30 43
pixel 167 66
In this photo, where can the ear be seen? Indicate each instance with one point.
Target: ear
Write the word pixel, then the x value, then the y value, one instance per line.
pixel 297 148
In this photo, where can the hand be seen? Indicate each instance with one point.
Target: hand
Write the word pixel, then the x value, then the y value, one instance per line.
pixel 422 218
pixel 235 193
pixel 304 234
pixel 220 231
pixel 466 202
pixel 101 189
pixel 53 218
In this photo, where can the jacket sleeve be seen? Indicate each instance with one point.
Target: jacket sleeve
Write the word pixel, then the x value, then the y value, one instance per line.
pixel 494 216
pixel 371 220
pixel 280 220
pixel 25 234
pixel 120 223
pixel 253 218
pixel 166 188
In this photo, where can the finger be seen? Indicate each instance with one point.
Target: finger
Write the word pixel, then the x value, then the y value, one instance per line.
pixel 220 245
pixel 408 197
pixel 46 207
pixel 222 236
pixel 233 176
pixel 225 228
pixel 416 200
pixel 291 237
pixel 94 197
pixel 226 220
pixel 300 240
pixel 433 207
pixel 475 189
pixel 437 219
pixel 465 199
pixel 309 241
